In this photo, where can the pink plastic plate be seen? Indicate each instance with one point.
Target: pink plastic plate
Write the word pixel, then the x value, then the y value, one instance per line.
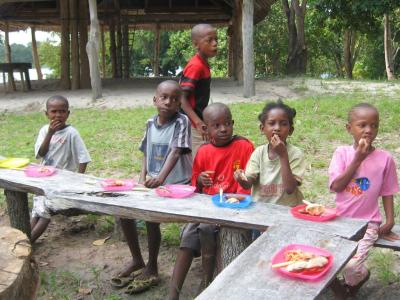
pixel 39 171
pixel 305 275
pixel 329 214
pixel 175 190
pixel 115 185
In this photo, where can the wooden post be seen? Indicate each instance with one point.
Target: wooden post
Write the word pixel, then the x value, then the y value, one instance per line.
pixel 231 242
pixel 35 55
pixel 119 39
pixel 249 88
pixel 83 39
pixel 64 57
pixel 156 66
pixel 7 59
pixel 103 54
pixel 125 47
pixel 75 68
pixel 237 51
pixel 113 55
pixel 18 211
pixel 92 49
pixel 230 51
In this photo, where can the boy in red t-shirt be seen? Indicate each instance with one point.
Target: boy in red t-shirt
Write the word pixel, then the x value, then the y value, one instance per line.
pixel 195 81
pixel 213 169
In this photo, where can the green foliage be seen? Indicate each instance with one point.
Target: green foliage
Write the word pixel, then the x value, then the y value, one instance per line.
pixel 49 56
pixel 382 260
pixel 58 285
pixel 19 53
pixel 171 234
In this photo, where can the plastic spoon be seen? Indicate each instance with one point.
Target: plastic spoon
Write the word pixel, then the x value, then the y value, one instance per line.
pixel 220 195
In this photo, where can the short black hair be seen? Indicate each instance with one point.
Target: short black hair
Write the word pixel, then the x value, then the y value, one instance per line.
pixel 291 112
pixel 360 106
pixel 172 82
pixel 216 107
pixel 59 98
pixel 198 30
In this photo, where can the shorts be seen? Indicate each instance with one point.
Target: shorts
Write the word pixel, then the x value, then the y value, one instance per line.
pixel 197 141
pixel 40 209
pixel 190 236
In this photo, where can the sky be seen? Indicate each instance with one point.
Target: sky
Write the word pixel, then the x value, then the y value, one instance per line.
pixel 24 36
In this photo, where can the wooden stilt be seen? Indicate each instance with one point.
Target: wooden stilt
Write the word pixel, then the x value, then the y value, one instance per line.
pixel 119 38
pixel 113 54
pixel 75 68
pixel 64 57
pixel 230 51
pixel 35 55
pixel 237 51
pixel 103 54
pixel 92 49
pixel 7 59
pixel 249 88
pixel 156 66
pixel 125 48
pixel 83 39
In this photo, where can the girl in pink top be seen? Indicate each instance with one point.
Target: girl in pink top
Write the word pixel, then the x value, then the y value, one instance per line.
pixel 359 174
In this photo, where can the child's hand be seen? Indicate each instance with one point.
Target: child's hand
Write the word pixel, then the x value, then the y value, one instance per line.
pixel 204 179
pixel 202 129
pixel 240 176
pixel 153 182
pixel 362 150
pixel 278 146
pixel 386 233
pixel 391 236
pixel 55 125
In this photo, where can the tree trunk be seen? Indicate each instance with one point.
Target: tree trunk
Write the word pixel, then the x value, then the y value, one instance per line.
pixel 231 242
pixel 125 47
pixel 249 88
pixel 64 57
pixel 297 51
pixel 237 51
pixel 7 59
pixel 35 55
pixel 349 55
pixel 18 211
pixel 92 49
pixel 103 54
pixel 19 276
pixel 83 39
pixel 156 65
pixel 389 62
pixel 75 68
pixel 113 54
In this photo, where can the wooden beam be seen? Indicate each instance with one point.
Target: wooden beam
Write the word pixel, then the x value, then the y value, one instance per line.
pixel 64 57
pixel 119 38
pixel 237 43
pixel 156 65
pixel 75 68
pixel 83 39
pixel 113 53
pixel 103 53
pixel 35 55
pixel 125 48
pixel 7 59
pixel 230 50
pixel 249 88
pixel 92 49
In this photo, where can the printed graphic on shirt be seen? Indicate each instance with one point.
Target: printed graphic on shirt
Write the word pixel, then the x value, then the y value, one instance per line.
pixel 357 186
pixel 270 190
pixel 158 153
pixel 236 165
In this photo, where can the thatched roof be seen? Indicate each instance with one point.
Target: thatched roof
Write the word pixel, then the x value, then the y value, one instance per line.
pixel 141 14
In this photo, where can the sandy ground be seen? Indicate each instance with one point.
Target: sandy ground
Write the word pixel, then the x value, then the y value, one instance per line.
pixel 140 91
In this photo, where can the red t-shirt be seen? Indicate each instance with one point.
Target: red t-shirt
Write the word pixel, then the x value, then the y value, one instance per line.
pixel 224 161
pixel 197 76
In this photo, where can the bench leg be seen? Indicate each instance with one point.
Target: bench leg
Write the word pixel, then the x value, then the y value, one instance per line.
pixel 22 81
pixel 28 80
pixel 18 210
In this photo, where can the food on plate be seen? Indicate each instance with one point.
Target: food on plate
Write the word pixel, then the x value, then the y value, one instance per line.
pixel 234 198
pixel 44 170
pixel 313 209
pixel 301 261
pixel 118 182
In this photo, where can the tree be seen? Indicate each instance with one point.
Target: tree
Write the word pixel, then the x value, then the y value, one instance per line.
pixel 49 55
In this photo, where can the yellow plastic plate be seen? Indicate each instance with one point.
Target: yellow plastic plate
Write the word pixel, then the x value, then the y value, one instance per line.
pixel 14 162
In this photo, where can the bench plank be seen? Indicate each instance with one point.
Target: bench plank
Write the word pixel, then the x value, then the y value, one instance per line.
pixel 250 275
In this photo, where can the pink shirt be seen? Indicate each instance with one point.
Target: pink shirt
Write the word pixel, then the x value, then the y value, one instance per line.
pixel 375 177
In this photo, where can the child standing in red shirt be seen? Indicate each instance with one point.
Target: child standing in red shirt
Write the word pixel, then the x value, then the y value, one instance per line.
pixel 213 169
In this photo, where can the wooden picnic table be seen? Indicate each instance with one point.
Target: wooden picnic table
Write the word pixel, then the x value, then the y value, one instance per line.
pixel 260 281
pixel 22 68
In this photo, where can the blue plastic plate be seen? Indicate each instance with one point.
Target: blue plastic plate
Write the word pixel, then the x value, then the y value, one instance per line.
pixel 242 204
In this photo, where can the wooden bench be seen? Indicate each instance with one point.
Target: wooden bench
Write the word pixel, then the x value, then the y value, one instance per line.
pixel 22 68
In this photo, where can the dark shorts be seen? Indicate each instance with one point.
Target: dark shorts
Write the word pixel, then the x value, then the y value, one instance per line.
pixel 190 236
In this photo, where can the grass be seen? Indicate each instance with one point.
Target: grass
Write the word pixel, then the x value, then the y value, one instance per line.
pixel 113 137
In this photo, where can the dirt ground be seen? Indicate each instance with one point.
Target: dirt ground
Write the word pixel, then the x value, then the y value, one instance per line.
pixel 67 244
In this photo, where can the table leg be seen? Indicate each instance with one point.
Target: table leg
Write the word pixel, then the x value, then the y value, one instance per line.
pixel 4 82
pixel 28 80
pixel 11 82
pixel 22 80
pixel 18 210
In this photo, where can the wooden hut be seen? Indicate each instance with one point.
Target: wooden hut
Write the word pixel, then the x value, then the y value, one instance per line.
pixel 72 18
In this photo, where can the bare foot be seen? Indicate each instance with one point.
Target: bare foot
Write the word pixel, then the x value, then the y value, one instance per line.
pixel 147 272
pixel 131 267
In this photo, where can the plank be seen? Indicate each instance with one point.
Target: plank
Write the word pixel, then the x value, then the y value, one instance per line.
pixel 261 282
pixel 71 190
pixel 388 244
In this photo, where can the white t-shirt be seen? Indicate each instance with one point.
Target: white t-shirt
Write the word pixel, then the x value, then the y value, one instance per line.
pixel 66 150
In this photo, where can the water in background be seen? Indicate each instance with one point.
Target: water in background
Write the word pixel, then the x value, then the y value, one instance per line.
pixel 32 74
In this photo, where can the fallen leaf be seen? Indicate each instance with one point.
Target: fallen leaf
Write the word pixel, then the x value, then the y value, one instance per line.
pixel 85 291
pixel 101 241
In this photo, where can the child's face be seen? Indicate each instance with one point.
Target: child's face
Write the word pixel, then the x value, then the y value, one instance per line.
pixel 207 43
pixel 57 110
pixel 219 127
pixel 364 123
pixel 277 123
pixel 167 100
